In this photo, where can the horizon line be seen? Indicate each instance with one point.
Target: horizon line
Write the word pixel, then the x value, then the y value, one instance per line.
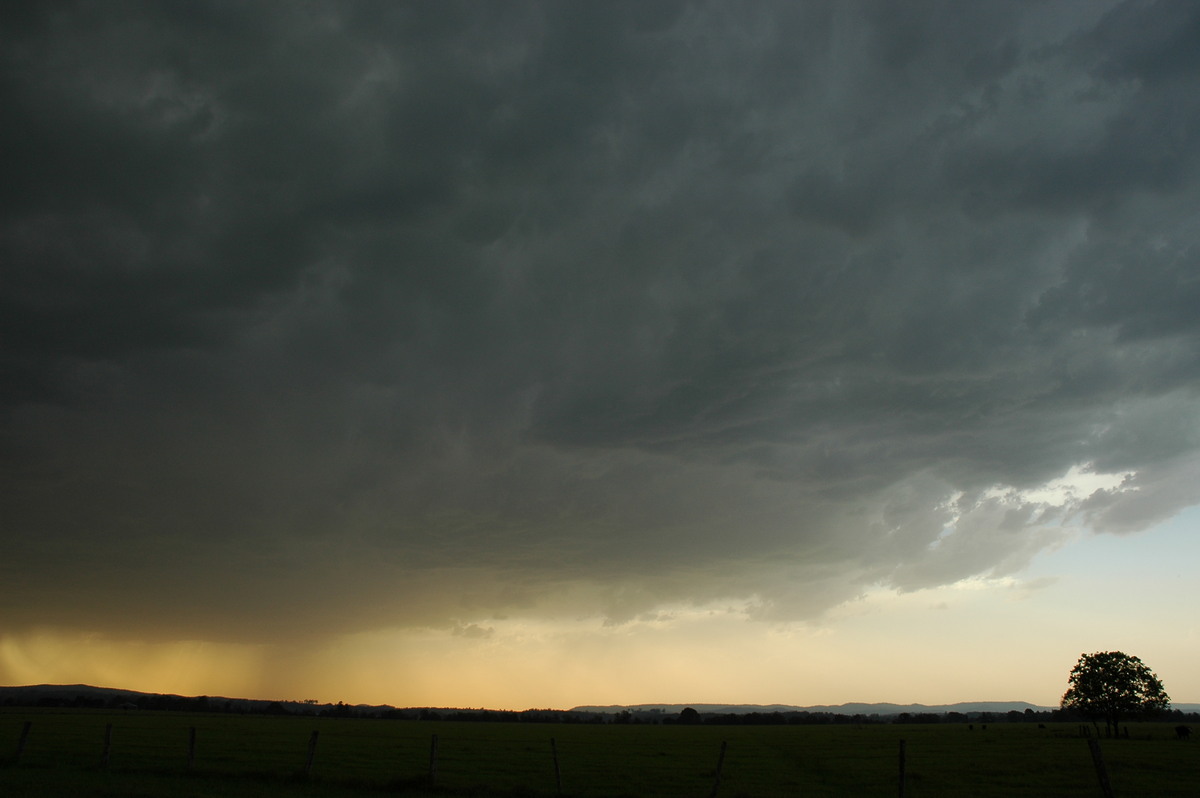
pixel 575 708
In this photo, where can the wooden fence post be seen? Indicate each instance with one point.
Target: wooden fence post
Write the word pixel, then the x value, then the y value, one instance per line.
pixel 720 764
pixel 557 772
pixel 107 746
pixel 903 765
pixel 433 760
pixel 21 740
pixel 312 752
pixel 1101 770
pixel 191 747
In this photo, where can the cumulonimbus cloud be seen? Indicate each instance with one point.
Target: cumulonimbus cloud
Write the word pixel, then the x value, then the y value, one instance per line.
pixel 377 316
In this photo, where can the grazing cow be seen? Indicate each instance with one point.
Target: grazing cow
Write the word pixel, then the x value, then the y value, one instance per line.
pixel 1183 732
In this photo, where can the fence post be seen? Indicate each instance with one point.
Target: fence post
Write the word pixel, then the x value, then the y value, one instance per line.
pixel 107 746
pixel 21 740
pixel 191 747
pixel 312 752
pixel 902 767
pixel 720 764
pixel 557 772
pixel 1101 770
pixel 433 760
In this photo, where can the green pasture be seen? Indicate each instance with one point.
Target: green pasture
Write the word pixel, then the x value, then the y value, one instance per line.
pixel 240 756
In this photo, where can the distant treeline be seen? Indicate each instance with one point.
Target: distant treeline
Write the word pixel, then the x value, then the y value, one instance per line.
pixel 174 703
pixel 806 718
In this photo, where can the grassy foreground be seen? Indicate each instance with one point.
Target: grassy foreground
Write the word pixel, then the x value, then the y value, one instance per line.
pixel 239 756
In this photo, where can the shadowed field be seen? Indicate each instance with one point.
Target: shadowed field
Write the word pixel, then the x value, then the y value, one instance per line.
pixel 259 756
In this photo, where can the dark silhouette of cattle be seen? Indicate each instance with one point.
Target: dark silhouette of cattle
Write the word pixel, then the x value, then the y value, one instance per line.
pixel 1183 732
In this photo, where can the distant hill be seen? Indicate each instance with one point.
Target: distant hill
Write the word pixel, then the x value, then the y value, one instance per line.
pixel 965 708
pixel 85 695
pixel 88 696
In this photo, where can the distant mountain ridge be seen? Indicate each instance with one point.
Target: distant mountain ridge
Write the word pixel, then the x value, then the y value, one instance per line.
pixel 87 695
pixel 26 693
pixel 965 707
pixel 837 709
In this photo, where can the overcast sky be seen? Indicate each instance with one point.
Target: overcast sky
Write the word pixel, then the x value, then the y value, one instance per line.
pixel 537 354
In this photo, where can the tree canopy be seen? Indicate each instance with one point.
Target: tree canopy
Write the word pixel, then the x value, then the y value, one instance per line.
pixel 1112 685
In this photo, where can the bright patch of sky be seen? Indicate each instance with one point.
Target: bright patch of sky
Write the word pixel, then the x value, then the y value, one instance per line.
pixel 1077 484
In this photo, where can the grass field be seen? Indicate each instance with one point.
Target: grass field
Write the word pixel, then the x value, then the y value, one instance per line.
pixel 240 756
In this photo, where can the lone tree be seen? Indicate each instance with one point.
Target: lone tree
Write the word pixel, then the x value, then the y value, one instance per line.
pixel 1112 685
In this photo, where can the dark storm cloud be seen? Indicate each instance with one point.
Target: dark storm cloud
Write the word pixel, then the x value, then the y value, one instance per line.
pixel 332 316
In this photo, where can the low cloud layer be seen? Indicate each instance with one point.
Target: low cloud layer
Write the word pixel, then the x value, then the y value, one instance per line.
pixel 335 317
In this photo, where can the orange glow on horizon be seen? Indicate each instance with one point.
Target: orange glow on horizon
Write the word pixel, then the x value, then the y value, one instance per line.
pixel 977 640
pixel 184 668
